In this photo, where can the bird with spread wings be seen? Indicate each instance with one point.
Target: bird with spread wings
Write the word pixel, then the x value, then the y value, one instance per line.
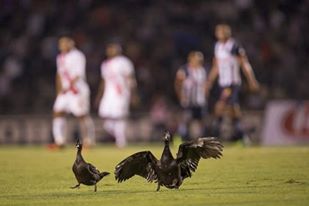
pixel 169 171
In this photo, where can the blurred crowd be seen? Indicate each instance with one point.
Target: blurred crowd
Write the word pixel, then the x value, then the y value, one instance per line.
pixel 157 35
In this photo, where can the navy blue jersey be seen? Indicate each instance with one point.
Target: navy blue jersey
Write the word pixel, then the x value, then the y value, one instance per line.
pixel 193 87
pixel 226 54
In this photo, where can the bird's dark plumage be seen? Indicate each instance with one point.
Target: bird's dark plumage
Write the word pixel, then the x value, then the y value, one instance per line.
pixel 84 172
pixel 190 153
pixel 140 163
pixel 168 171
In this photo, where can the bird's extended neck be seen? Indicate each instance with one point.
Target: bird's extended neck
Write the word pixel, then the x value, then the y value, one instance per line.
pixel 166 154
pixel 79 156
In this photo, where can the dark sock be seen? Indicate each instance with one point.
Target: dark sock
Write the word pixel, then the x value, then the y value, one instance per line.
pixel 238 131
pixel 216 127
pixel 183 131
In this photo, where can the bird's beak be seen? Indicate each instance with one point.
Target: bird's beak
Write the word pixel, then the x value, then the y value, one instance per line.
pixel 167 136
pixel 77 142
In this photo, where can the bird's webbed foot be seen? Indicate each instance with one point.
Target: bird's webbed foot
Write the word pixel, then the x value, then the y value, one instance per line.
pixel 76 186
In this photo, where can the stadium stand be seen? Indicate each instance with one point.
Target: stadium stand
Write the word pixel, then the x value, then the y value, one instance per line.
pixel 273 33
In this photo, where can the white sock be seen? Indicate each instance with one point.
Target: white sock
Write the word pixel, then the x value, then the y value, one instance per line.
pixel 87 131
pixel 59 130
pixel 120 133
pixel 108 126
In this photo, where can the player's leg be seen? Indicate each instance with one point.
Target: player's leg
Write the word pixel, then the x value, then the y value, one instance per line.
pixel 80 108
pixel 235 114
pixel 120 133
pixel 236 121
pixel 120 113
pixel 106 110
pixel 196 123
pixel 219 110
pixel 113 111
pixel 59 127
pixel 108 126
pixel 218 118
pixel 87 130
pixel 183 127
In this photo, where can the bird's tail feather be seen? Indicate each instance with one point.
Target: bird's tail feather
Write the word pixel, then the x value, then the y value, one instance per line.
pixel 103 174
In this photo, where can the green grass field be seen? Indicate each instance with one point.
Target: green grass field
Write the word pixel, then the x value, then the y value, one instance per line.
pixel 244 176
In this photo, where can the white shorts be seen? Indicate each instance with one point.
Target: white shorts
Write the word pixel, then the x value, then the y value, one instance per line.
pixel 114 108
pixel 76 104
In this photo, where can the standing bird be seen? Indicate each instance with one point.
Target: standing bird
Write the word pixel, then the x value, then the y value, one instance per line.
pixel 167 171
pixel 84 172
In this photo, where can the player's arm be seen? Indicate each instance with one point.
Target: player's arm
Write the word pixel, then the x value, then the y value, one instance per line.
pixel 135 100
pixel 131 83
pixel 99 93
pixel 213 74
pixel 248 71
pixel 74 80
pixel 130 74
pixel 72 86
pixel 58 84
pixel 101 88
pixel 180 77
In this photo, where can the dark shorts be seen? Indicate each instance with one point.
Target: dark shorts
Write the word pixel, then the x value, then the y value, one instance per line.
pixel 230 94
pixel 195 112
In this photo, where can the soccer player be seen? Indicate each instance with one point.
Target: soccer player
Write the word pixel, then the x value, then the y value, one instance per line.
pixel 228 58
pixel 73 94
pixel 190 85
pixel 118 81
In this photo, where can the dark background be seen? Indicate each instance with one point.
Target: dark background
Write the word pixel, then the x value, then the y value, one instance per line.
pixel 157 35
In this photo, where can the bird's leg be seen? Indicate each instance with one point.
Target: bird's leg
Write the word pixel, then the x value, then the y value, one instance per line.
pixel 95 187
pixel 158 188
pixel 76 186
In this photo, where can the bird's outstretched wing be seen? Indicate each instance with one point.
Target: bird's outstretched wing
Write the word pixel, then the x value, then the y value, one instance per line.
pixel 190 153
pixel 141 163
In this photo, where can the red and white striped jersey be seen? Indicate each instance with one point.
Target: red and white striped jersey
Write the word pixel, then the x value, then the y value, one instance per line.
pixel 115 73
pixel 69 66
